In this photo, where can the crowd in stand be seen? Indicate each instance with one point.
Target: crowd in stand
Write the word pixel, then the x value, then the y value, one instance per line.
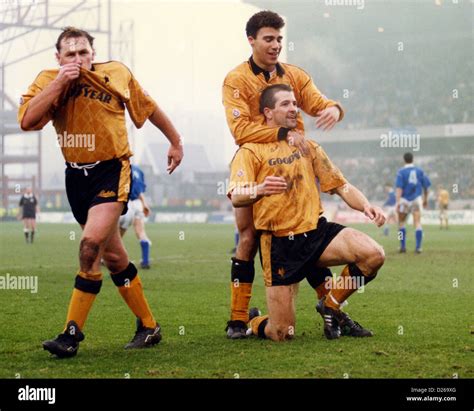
pixel 454 173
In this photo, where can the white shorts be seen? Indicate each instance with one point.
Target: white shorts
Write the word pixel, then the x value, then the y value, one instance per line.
pixel 407 207
pixel 390 211
pixel 135 210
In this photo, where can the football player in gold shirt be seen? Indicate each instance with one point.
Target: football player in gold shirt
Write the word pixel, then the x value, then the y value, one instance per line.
pixel 241 92
pixel 280 184
pixel 443 204
pixel 86 103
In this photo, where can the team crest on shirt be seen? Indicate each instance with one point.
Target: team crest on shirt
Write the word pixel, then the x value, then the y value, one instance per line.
pixel 236 113
pixel 240 173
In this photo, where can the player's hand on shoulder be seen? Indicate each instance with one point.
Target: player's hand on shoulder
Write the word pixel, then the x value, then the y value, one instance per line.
pixel 296 138
pixel 272 185
pixel 68 72
pixel 376 214
pixel 328 117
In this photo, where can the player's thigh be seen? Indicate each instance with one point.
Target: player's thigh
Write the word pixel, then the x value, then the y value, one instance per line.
pixel 244 219
pixel 102 221
pixel 349 246
pixel 281 306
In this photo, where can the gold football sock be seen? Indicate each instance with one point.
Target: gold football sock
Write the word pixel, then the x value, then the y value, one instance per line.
pixel 343 288
pixel 346 284
pixel 240 300
pixel 324 288
pixel 133 295
pixel 86 288
pixel 258 326
pixel 242 276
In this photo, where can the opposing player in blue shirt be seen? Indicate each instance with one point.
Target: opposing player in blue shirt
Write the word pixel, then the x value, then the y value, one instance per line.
pixel 412 194
pixel 138 209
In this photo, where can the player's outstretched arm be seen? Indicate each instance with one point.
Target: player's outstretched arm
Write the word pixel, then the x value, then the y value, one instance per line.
pixel 175 153
pixel 39 105
pixel 245 196
pixel 354 198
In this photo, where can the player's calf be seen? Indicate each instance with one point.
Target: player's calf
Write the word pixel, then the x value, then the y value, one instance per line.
pixel 280 331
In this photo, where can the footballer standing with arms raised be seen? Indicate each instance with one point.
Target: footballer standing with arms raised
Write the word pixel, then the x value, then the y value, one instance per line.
pixel 83 97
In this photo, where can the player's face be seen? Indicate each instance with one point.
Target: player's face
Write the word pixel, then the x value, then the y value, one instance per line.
pixel 76 50
pixel 266 47
pixel 285 112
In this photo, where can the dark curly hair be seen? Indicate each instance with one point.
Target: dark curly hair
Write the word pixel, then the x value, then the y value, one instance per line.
pixel 261 19
pixel 72 32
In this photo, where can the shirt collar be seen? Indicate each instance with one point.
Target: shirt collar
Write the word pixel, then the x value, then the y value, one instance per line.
pixel 257 69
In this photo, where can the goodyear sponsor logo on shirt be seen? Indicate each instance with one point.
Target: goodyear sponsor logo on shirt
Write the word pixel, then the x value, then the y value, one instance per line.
pixel 86 90
pixel 284 160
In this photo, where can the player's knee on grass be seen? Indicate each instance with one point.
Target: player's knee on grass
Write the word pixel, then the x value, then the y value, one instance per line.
pixel 281 331
pixel 88 253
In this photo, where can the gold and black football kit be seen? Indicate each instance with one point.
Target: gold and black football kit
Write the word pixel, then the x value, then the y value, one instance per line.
pixel 292 235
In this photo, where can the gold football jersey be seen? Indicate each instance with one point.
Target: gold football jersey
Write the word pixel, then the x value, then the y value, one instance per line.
pixel 89 116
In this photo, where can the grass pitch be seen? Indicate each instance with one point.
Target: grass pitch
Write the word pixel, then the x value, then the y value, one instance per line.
pixel 420 308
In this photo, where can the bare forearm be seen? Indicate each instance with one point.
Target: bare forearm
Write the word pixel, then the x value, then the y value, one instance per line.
pixel 161 120
pixel 353 197
pixel 357 201
pixel 39 105
pixel 244 197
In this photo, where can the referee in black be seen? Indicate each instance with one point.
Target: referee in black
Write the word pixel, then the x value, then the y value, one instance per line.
pixel 29 206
